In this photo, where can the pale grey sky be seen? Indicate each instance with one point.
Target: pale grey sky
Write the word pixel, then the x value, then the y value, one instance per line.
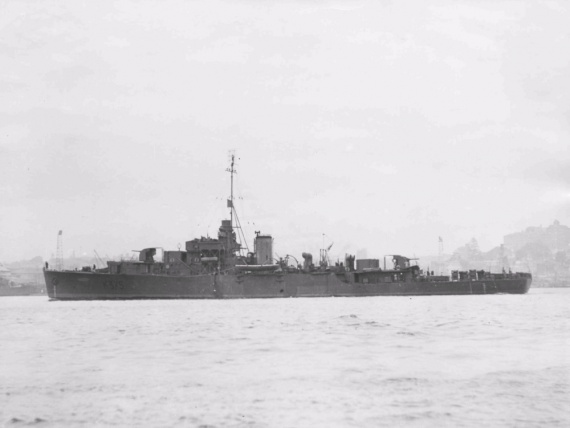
pixel 380 124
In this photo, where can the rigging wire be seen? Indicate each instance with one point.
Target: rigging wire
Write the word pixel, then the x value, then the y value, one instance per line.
pixel 240 230
pixel 233 212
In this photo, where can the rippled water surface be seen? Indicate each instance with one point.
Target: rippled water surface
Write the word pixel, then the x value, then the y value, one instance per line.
pixel 472 361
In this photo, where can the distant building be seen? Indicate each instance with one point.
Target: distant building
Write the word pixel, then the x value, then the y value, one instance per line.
pixel 556 237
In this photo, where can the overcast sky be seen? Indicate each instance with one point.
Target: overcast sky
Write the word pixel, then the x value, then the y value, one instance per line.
pixel 382 125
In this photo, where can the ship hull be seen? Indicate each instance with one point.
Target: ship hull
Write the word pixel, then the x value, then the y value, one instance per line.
pixel 103 286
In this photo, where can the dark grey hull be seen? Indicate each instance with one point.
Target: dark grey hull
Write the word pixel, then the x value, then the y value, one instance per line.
pixel 100 286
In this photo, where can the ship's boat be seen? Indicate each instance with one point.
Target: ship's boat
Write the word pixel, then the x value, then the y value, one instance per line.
pixel 215 268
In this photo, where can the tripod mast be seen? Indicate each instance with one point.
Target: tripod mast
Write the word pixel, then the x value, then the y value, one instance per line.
pixel 233 211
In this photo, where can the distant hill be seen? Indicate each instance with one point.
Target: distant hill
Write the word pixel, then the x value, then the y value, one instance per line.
pixel 555 237
pixel 543 251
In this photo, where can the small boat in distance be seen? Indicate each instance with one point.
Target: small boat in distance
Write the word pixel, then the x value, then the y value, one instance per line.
pixel 216 268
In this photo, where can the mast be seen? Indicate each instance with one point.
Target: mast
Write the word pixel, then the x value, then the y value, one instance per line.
pixel 232 171
pixel 233 212
pixel 59 253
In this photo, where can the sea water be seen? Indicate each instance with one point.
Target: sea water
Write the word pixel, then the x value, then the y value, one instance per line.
pixel 471 361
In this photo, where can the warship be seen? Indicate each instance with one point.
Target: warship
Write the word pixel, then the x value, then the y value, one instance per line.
pixel 221 268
